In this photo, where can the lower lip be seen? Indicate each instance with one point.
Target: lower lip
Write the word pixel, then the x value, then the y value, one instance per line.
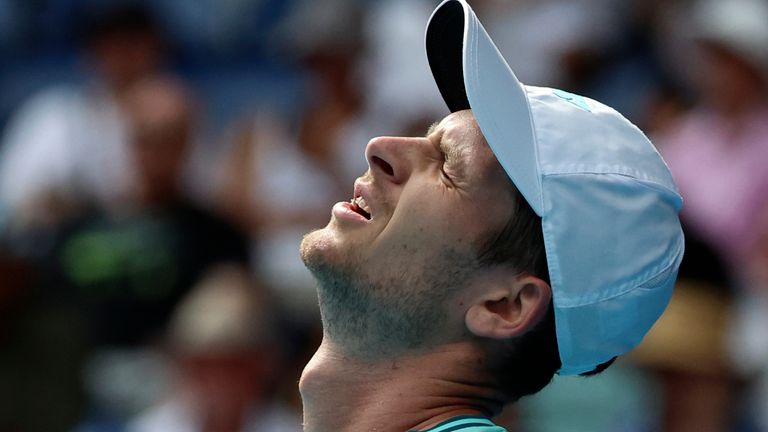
pixel 343 211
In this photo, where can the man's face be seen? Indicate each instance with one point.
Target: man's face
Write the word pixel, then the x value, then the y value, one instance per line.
pixel 391 266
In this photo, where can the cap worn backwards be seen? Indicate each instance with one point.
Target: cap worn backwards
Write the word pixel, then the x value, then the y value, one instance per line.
pixel 608 204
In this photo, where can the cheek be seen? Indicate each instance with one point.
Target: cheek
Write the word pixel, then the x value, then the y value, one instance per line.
pixel 422 233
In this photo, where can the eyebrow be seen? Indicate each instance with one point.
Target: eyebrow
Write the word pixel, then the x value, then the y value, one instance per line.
pixel 432 128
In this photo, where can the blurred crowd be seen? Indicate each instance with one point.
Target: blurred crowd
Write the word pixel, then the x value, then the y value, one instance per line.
pixel 160 162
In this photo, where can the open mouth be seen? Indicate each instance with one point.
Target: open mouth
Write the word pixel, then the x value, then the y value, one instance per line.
pixel 359 206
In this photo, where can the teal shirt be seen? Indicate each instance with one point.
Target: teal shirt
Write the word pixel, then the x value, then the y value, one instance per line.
pixel 466 424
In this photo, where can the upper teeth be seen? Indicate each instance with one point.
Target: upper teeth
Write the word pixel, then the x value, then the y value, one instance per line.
pixel 360 202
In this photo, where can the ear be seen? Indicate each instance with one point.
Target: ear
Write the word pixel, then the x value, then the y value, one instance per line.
pixel 512 306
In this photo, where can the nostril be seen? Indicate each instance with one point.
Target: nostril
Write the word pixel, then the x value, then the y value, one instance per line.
pixel 383 165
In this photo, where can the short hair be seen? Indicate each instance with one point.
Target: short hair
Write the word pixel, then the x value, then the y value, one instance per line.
pixel 132 17
pixel 528 363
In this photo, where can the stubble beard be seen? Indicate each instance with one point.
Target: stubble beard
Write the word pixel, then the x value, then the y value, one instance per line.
pixel 384 315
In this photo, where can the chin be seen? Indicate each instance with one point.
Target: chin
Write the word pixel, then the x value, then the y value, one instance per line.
pixel 318 249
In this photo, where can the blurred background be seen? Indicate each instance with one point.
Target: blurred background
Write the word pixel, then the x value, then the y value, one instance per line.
pixel 160 161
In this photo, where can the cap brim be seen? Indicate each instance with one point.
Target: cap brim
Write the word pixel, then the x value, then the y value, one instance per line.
pixel 471 74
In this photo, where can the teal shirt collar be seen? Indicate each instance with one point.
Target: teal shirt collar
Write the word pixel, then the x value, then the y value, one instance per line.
pixel 466 423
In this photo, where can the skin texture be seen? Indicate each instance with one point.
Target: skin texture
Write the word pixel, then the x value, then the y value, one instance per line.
pixel 408 311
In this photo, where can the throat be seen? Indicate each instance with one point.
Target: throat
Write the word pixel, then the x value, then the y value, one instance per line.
pixel 341 394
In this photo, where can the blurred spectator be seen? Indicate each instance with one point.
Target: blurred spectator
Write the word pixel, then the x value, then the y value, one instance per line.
pixel 718 151
pixel 41 350
pixel 111 279
pixel 66 147
pixel 749 345
pixel 687 349
pixel 227 344
pixel 131 267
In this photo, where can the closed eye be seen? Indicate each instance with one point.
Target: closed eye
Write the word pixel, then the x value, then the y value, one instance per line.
pixel 444 162
pixel 445 156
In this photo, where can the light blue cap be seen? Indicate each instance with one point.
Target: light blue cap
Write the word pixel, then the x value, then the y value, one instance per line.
pixel 608 204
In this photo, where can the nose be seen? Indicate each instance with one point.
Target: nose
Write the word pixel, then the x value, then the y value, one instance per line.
pixel 394 158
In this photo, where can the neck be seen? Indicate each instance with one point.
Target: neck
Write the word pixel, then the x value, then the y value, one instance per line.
pixel 343 394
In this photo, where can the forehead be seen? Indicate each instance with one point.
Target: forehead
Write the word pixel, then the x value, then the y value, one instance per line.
pixel 460 124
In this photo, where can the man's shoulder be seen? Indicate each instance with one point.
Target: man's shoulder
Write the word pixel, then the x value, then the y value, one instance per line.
pixel 466 424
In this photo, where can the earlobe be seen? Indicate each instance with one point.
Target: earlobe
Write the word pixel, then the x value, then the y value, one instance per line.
pixel 511 309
